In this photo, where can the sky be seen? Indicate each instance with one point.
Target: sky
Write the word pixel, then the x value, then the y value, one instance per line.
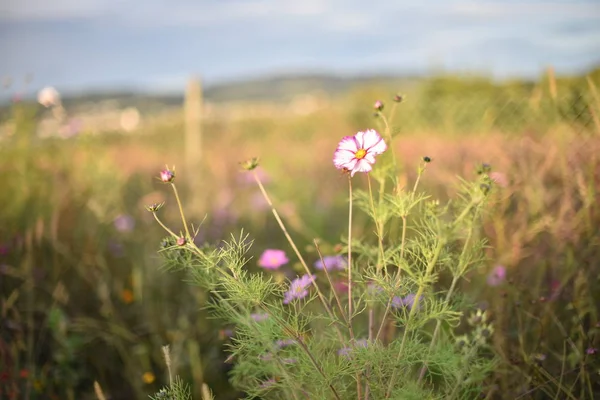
pixel 157 44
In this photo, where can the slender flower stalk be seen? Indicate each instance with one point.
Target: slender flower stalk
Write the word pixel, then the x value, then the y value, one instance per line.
pixel 449 294
pixel 164 226
pixel 303 346
pixel 378 226
pixel 295 248
pixel 185 225
pixel 414 308
pixel 335 295
pixel 349 251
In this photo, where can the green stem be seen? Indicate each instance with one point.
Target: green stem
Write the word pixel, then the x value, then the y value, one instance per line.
pixel 164 226
pixel 295 248
pixel 378 226
pixel 335 295
pixel 413 309
pixel 187 232
pixel 455 279
pixel 349 250
pixel 303 346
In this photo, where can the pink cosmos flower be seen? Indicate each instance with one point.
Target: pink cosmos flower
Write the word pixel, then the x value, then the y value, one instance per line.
pixel 272 259
pixel 357 153
pixel 497 275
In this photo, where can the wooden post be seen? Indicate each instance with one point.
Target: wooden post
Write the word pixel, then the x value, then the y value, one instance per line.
pixel 193 145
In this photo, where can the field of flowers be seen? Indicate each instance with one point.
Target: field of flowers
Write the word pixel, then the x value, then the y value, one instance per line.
pixel 486 287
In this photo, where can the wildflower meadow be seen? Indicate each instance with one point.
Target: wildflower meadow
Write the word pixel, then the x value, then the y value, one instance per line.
pixel 438 244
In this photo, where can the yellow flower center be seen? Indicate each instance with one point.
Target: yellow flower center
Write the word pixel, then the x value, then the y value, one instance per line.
pixel 360 154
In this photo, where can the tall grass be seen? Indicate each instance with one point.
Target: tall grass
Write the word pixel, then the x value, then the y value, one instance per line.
pixel 84 302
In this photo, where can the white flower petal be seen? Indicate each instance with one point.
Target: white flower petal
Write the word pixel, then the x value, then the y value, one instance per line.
pixel 373 142
pixel 361 166
pixel 360 139
pixel 378 148
pixel 350 165
pixel 370 138
pixel 342 157
pixel 348 143
pixel 370 158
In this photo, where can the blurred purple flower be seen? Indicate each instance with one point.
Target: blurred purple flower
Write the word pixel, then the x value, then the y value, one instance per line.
pixel 407 301
pixel 345 351
pixel 341 286
pixel 116 249
pixel 124 223
pixel 591 351
pixel 298 288
pixel 258 317
pixel 272 259
pixel 248 179
pixel 374 288
pixel 281 343
pixel 332 262
pixel 497 275
pixel 268 383
pixel 225 333
pixel 555 289
pixel 258 202
pixel 4 249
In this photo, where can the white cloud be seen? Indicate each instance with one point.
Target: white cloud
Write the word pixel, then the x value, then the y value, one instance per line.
pixel 527 9
pixel 37 10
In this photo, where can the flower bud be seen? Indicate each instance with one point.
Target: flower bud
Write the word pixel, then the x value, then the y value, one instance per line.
pixel 250 164
pixel 398 98
pixel 155 207
pixel 378 105
pixel 167 175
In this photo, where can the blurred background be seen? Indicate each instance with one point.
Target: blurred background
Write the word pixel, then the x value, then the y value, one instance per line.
pixel 98 95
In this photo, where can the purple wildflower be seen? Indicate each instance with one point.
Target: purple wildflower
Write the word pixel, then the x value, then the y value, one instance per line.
pixel 225 333
pixel 258 317
pixel 248 179
pixel 298 288
pixel 497 275
pixel 332 262
pixel 407 301
pixel 281 343
pixel 124 223
pixel 591 351
pixel 268 383
pixel 4 249
pixel 116 248
pixel 346 351
pixel 265 357
pixel 272 259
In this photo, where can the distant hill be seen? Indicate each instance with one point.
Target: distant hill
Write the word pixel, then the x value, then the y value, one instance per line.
pixel 277 88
